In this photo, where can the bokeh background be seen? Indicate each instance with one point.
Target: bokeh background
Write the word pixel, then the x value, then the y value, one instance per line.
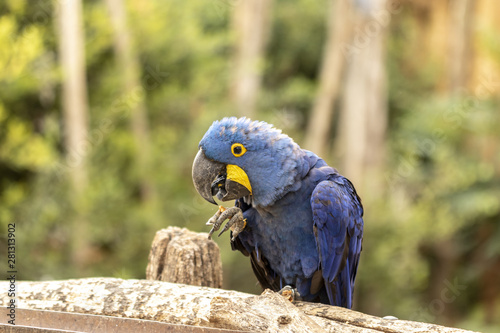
pixel 103 102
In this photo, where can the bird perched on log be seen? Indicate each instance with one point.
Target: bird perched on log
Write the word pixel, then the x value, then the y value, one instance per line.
pixel 297 218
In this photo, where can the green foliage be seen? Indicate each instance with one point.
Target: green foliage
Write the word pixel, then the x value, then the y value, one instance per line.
pixel 442 177
pixel 442 187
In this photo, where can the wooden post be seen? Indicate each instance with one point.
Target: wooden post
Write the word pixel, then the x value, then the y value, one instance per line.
pixel 182 256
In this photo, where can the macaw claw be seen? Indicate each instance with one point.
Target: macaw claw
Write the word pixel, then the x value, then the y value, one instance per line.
pixel 213 219
pixel 236 221
pixel 290 293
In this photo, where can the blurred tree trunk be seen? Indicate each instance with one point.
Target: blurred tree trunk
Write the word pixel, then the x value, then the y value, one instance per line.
pixel 338 34
pixel 486 85
pixel 364 106
pixel 442 257
pixel 432 36
pixel 445 251
pixel 488 264
pixel 486 67
pixel 74 88
pixel 251 22
pixel 445 37
pixel 75 117
pixel 129 67
pixel 448 29
pixel 460 51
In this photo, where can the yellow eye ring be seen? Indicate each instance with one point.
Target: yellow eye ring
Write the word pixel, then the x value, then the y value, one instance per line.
pixel 238 149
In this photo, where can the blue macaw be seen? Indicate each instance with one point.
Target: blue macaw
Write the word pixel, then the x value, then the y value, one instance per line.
pixel 298 219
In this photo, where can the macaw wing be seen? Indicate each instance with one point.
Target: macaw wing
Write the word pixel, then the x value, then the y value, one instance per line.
pixel 338 228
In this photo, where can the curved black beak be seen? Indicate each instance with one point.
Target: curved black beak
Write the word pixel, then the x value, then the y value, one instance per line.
pixel 212 178
pixel 204 172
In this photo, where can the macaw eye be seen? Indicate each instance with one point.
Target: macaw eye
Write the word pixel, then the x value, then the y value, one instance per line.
pixel 238 149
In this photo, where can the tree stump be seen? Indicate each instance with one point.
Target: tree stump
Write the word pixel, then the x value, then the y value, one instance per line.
pixel 182 256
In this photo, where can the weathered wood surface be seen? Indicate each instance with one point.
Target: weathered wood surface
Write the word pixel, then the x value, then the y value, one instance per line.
pixel 182 256
pixel 201 306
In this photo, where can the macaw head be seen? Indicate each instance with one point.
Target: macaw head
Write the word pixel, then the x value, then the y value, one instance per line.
pixel 240 158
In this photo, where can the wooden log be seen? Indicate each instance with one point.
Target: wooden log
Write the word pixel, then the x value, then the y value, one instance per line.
pixel 200 306
pixel 343 315
pixel 182 256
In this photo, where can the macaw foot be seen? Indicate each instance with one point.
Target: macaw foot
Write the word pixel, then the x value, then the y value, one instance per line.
pixel 236 221
pixel 290 293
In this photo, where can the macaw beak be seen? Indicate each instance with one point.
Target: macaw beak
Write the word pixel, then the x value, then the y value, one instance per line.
pixel 227 182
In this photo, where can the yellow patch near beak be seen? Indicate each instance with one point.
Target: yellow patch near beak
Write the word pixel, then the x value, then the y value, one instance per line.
pixel 236 174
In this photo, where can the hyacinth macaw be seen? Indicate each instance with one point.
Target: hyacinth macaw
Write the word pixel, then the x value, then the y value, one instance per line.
pixel 297 218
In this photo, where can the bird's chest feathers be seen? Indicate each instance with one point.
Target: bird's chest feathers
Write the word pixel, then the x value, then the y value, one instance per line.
pixel 283 234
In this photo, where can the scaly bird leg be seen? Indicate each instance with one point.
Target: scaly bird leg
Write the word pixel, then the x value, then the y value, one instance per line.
pixel 236 221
